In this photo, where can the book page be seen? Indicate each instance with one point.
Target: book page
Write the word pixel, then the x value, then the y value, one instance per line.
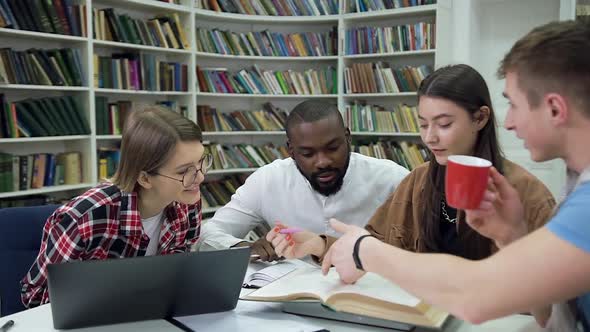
pixel 311 281
pixel 272 272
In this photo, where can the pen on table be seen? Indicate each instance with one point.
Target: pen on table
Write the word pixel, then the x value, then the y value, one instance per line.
pixel 7 326
pixel 290 230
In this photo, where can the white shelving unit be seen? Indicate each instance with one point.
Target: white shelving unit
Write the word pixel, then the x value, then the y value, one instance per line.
pixel 191 18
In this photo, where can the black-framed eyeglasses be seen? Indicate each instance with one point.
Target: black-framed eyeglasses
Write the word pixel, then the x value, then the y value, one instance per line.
pixel 190 175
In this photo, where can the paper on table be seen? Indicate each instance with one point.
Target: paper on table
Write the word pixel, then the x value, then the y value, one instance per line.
pixel 249 317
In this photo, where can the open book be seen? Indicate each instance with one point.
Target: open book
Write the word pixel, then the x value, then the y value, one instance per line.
pixel 372 296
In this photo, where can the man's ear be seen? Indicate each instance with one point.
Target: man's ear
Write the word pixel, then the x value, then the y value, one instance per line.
pixel 558 106
pixel 290 149
pixel 348 135
pixel 482 116
pixel 144 180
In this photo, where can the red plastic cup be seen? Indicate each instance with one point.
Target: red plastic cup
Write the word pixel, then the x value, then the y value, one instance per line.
pixel 466 181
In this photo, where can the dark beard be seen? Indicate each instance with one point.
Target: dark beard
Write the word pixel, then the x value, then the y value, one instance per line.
pixel 335 186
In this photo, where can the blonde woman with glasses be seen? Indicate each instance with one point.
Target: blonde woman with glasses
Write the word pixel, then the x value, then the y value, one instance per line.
pixel 152 206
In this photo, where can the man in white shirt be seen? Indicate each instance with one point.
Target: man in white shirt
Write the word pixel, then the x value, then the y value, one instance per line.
pixel 323 179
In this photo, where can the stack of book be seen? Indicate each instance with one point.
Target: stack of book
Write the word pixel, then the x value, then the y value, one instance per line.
pixel 266 43
pixel 45 67
pixel 360 6
pixel 132 71
pixel 375 118
pixel 380 78
pixel 162 31
pixel 409 37
pixel 110 116
pixel 51 16
pixel 218 192
pixel 270 118
pixel 408 155
pixel 48 116
pixel 257 81
pixel 23 172
pixel 272 7
pixel 244 155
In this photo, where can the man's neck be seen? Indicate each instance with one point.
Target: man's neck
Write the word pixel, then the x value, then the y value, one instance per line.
pixel 577 155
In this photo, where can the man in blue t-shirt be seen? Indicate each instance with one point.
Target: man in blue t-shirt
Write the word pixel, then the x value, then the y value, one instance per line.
pixel 547 85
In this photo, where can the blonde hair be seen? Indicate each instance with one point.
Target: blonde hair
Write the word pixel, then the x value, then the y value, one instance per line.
pixel 149 138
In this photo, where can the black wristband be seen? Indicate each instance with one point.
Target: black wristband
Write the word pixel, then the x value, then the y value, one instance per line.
pixel 355 252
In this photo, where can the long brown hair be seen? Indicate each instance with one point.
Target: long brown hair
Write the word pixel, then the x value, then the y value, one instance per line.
pixel 149 138
pixel 464 86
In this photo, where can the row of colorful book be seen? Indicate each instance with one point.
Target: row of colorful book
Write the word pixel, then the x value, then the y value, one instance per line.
pixel 48 116
pixel 361 6
pixel 23 172
pixel 269 118
pixel 257 81
pixel 409 37
pixel 244 155
pixel 162 31
pixel 50 16
pixel 408 155
pixel 110 116
pixel 132 71
pixel 380 78
pixel 266 43
pixel 403 118
pixel 271 7
pixel 217 193
pixel 61 67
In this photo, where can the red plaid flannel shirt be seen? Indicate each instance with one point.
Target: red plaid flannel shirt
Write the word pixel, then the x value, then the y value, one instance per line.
pixel 104 223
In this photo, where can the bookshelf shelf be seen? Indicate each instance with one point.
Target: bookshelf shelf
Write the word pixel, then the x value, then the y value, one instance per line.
pixel 45 139
pixel 232 170
pixel 388 55
pixel 380 95
pixel 113 44
pixel 108 137
pixel 266 58
pixel 146 5
pixel 45 190
pixel 42 87
pixel 424 10
pixel 243 133
pixel 43 36
pixel 244 95
pixel 380 134
pixel 224 17
pixel 141 92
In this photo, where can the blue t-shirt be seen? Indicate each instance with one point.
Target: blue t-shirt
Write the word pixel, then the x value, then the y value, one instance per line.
pixel 572 224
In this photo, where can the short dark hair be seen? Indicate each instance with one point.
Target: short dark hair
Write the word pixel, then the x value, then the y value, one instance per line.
pixel 312 111
pixel 552 58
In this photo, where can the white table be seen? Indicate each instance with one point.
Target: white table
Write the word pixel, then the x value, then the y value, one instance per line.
pixel 39 319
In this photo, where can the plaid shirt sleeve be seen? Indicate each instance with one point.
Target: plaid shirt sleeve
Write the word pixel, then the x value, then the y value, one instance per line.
pixel 186 239
pixel 61 242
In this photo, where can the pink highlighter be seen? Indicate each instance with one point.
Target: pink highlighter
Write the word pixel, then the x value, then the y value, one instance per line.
pixel 290 230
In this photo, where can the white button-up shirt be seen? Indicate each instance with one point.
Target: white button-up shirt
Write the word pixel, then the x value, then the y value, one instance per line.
pixel 279 192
